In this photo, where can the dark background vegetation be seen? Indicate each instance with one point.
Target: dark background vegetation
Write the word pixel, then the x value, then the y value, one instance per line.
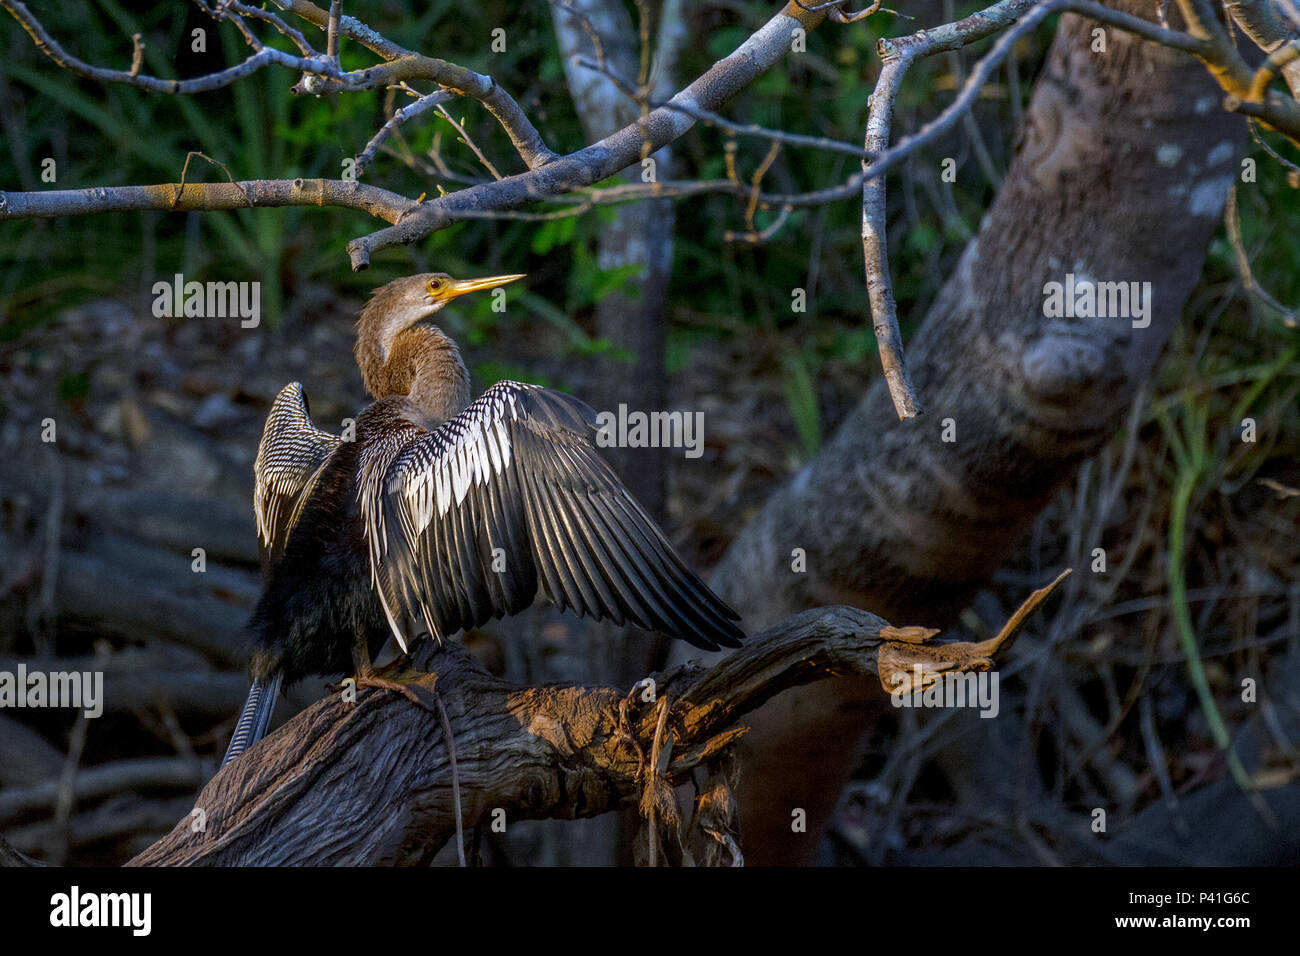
pixel 171 409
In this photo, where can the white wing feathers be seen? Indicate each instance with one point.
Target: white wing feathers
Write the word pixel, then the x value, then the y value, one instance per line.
pixel 465 521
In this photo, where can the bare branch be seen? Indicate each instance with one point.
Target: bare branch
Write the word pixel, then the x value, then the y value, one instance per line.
pixel 608 156
pixel 581 169
pixel 51 48
pixel 710 118
pixel 293 36
pixel 206 197
pixel 550 176
pixel 525 137
pixel 332 37
pixel 403 66
pixel 875 243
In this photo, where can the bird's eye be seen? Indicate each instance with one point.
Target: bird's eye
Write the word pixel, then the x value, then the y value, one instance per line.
pixel 435 285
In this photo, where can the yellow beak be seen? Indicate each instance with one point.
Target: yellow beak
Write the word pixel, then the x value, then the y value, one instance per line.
pixel 458 287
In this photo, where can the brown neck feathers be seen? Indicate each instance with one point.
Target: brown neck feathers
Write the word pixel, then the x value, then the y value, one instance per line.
pixel 424 364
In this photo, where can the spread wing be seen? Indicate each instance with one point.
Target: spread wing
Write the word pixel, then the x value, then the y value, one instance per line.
pixel 291 454
pixel 465 522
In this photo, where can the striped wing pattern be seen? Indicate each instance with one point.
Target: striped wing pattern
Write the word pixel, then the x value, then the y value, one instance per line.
pixel 288 460
pixel 465 522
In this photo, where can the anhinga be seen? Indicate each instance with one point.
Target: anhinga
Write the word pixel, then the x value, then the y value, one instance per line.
pixel 442 514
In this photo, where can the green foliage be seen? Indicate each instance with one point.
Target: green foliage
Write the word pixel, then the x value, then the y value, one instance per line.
pixel 854 346
pixel 1202 459
pixel 112 134
pixel 257 129
pixel 556 232
pixel 1270 225
pixel 489 373
pixel 74 387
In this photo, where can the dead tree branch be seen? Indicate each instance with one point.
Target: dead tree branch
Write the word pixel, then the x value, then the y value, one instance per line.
pixel 550 176
pixel 11 857
pixel 368 782
pixel 606 157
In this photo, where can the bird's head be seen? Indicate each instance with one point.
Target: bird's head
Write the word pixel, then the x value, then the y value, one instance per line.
pixel 400 304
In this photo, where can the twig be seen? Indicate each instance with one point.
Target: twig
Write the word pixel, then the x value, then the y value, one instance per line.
pixel 137 53
pixel 761 235
pixel 757 180
pixel 422 105
pixel 1291 167
pixel 875 243
pixel 293 36
pixel 710 118
pixel 1232 220
pixel 180 188
pixel 469 141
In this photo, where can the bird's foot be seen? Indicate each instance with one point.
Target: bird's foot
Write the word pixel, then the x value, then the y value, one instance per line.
pixel 415 686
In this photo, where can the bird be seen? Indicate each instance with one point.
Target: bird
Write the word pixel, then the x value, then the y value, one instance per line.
pixel 441 513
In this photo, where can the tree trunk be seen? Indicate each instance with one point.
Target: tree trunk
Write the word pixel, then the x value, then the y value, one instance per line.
pixel 1124 167
pixel 639 234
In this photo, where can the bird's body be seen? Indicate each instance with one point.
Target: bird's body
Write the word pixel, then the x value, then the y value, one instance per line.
pixel 442 514
pixel 311 608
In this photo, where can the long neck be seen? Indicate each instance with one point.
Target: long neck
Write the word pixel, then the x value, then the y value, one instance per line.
pixel 424 364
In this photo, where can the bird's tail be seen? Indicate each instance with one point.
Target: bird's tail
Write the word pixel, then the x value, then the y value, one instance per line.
pixel 255 717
